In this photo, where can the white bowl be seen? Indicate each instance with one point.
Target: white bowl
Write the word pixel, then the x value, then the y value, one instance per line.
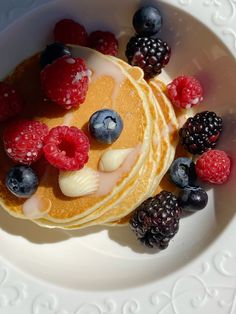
pixel 98 259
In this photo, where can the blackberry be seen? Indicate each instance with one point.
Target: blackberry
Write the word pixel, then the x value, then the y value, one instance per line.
pixel 201 132
pixel 150 54
pixel 156 220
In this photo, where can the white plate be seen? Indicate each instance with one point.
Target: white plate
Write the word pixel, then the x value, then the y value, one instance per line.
pixel 103 271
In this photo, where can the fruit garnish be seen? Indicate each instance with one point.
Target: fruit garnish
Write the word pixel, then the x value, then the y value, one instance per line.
pixel 66 148
pixel 147 21
pixel 193 198
pixel 10 102
pixel 213 167
pixel 65 81
pixel 53 52
pixel 104 42
pixel 201 132
pixel 182 172
pixel 156 220
pixel 150 54
pixel 68 31
pixel 105 126
pixel 185 92
pixel 23 141
pixel 22 181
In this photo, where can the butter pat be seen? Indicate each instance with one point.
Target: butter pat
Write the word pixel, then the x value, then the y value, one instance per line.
pixel 112 159
pixel 79 183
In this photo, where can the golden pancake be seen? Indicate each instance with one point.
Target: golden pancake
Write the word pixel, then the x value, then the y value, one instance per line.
pixel 104 92
pixel 150 131
pixel 140 183
pixel 148 179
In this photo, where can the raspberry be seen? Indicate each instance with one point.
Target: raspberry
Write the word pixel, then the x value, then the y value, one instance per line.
pixel 150 54
pixel 65 81
pixel 213 167
pixel 70 32
pixel 66 148
pixel 10 102
pixel 23 141
pixel 105 42
pixel 156 220
pixel 185 92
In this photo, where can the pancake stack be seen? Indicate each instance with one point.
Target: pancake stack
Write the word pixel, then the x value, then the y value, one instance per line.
pixel 150 135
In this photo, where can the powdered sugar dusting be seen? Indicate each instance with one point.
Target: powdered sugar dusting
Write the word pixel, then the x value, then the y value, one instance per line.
pixel 111 125
pixel 70 60
pixel 78 77
pixel 195 101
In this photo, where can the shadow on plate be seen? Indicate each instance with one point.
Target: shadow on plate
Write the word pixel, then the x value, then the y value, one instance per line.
pixel 30 231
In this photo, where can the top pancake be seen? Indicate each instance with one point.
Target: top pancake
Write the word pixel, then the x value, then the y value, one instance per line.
pixel 109 88
pixel 164 140
pixel 139 186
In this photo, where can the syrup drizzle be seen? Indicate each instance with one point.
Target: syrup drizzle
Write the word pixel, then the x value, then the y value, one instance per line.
pixel 108 180
pixel 36 206
pixel 100 67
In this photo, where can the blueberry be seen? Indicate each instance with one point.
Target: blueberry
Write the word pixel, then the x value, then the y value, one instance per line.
pixel 22 181
pixel 105 126
pixel 147 21
pixel 182 172
pixel 53 52
pixel 193 198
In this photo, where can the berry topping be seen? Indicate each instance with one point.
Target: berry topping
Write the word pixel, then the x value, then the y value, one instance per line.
pixel 150 54
pixel 22 181
pixel 53 52
pixel 65 81
pixel 105 126
pixel 193 198
pixel 156 220
pixel 23 141
pixel 147 21
pixel 213 167
pixel 66 148
pixel 70 32
pixel 185 92
pixel 201 132
pixel 105 42
pixel 10 102
pixel 182 172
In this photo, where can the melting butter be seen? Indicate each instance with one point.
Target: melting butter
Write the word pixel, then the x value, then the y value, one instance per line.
pixel 112 159
pixel 78 183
